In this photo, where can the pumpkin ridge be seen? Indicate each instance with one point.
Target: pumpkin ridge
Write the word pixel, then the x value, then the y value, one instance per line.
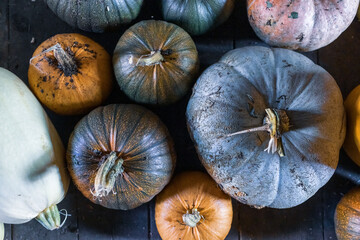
pixel 93 136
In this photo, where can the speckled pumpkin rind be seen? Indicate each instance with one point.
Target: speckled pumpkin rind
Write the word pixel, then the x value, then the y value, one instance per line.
pixel 231 95
pixel 137 136
pixel 75 92
pixel 352 139
pixel 96 15
pixel 347 216
pixel 163 83
pixel 197 17
pixel 300 25
pixel 190 190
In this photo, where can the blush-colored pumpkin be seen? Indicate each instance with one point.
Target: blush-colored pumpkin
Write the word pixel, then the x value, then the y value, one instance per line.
pixel 96 15
pixel 272 90
pixel 155 62
pixel 300 25
pixel 197 17
pixel 120 156
pixel 347 216
pixel 192 206
pixel 352 139
pixel 70 74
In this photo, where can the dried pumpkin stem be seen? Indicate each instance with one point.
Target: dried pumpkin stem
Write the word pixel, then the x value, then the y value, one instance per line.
pixel 155 57
pixel 106 175
pixel 50 218
pixel 192 219
pixel 276 123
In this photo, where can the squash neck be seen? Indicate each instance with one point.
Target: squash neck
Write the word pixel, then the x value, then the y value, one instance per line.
pixel 50 218
pixel 193 218
pixel 276 123
pixel 106 175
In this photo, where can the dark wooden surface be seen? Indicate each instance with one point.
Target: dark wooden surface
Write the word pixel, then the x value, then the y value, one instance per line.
pixel 24 20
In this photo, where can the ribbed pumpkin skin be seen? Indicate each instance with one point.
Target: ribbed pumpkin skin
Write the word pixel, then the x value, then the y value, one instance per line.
pixel 352 139
pixel 197 17
pixel 231 96
pixel 162 83
pixel 347 216
pixel 300 25
pixel 96 15
pixel 135 134
pixel 191 190
pixel 76 92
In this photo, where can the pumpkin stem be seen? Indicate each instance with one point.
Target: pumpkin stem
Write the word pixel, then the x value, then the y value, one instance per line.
pixel 106 175
pixel 191 219
pixel 276 123
pixel 153 58
pixel 50 218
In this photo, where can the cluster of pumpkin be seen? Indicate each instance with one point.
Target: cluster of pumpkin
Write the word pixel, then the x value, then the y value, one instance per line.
pixel 120 156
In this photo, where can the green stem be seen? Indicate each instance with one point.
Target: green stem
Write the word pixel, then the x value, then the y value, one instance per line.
pixel 153 58
pixel 106 175
pixel 50 218
pixel 192 219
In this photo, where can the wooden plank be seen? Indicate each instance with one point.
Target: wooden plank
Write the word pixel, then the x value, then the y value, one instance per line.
pixel 8 231
pixel 4 33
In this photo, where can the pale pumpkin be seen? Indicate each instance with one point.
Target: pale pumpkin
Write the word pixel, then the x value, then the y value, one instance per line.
pixel 272 90
pixel 33 174
pixel 70 74
pixel 352 139
pixel 300 25
pixel 155 62
pixel 192 206
pixel 347 216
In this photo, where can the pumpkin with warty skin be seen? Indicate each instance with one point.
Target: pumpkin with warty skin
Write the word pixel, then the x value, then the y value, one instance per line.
pixel 300 25
pixel 347 216
pixel 269 90
pixel 120 156
pixel 197 17
pixel 33 174
pixel 96 15
pixel 192 206
pixel 71 74
pixel 352 139
pixel 155 62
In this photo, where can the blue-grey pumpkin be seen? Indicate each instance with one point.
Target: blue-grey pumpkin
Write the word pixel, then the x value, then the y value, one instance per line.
pixel 96 15
pixel 197 17
pixel 279 91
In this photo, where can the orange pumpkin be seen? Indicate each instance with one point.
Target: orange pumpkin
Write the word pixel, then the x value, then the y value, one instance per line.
pixel 347 216
pixel 70 74
pixel 192 206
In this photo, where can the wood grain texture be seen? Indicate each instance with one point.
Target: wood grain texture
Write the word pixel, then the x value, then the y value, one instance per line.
pixel 4 33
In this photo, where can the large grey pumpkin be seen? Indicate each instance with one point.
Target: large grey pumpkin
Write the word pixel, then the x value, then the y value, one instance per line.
pixel 95 15
pixel 232 96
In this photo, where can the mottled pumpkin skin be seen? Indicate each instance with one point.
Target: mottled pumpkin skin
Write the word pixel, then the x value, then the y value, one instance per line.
pixel 352 139
pixel 162 83
pixel 347 216
pixel 197 17
pixel 73 92
pixel 96 15
pixel 232 94
pixel 137 136
pixel 190 190
pixel 300 25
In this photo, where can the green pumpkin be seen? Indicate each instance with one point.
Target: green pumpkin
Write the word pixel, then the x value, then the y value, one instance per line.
pixel 95 15
pixel 197 17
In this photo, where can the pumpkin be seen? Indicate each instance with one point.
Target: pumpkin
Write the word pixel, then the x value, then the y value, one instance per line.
pixel 352 139
pixel 197 17
pixel 155 62
pixel 96 15
pixel 300 25
pixel 347 216
pixel 268 125
pixel 192 206
pixel 120 156
pixel 33 175
pixel 70 74
pixel 2 232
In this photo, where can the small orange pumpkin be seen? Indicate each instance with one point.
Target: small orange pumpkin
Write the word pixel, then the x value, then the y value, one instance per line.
pixel 347 216
pixel 70 74
pixel 192 206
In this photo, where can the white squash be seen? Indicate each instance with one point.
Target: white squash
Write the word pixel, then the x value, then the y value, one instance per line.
pixel 33 176
pixel 2 231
